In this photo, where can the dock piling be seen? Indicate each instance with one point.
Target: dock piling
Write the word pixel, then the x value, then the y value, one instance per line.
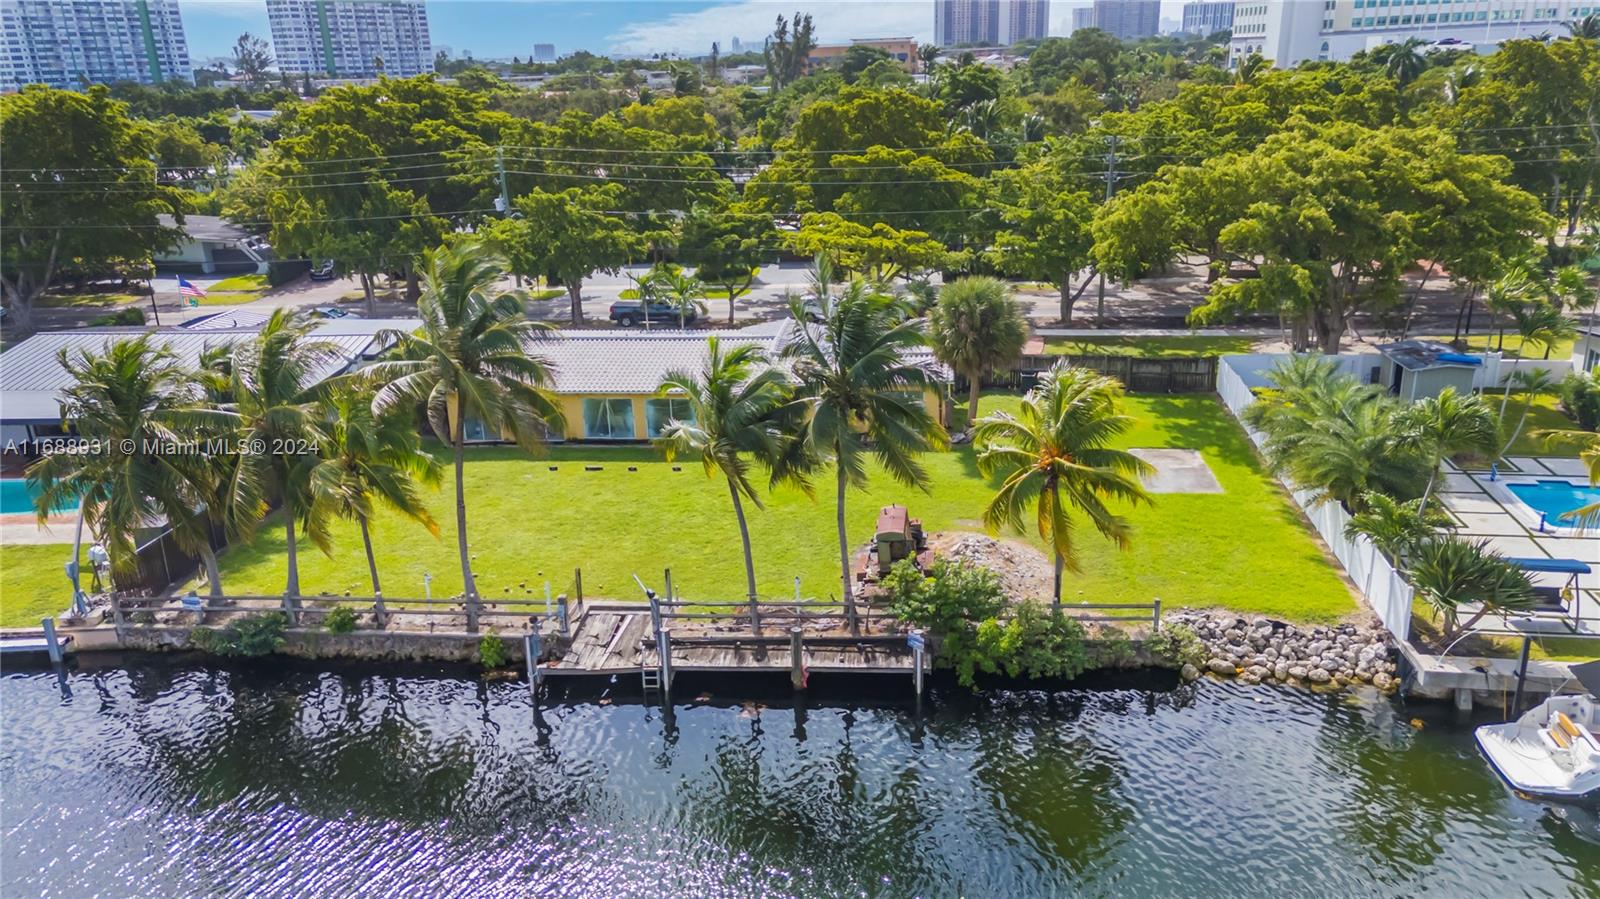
pixel 472 613
pixel 755 615
pixel 577 584
pixel 1522 677
pixel 53 646
pixel 378 611
pixel 564 620
pixel 918 649
pixel 1156 614
pixel 664 651
pixel 797 667
pixel 531 648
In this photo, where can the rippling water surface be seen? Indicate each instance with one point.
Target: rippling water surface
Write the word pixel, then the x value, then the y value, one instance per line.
pixel 166 779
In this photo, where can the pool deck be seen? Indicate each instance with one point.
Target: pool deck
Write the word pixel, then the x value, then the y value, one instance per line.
pixel 23 528
pixel 1485 510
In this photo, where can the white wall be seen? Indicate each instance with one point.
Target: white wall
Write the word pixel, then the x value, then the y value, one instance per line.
pixel 1385 591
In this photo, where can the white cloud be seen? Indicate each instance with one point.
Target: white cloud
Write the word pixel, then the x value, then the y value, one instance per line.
pixel 752 20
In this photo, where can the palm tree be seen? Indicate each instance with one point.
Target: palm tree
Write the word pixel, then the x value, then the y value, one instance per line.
pixel 928 54
pixel 1333 436
pixel 1405 60
pixel 130 401
pixel 857 393
pixel 1534 383
pixel 1586 28
pixel 976 328
pixel 1394 526
pixel 683 291
pixel 1450 573
pixel 734 402
pixel 276 384
pixel 1056 455
pixel 1447 425
pixel 370 459
pixel 470 358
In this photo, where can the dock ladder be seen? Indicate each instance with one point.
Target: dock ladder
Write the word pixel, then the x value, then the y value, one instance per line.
pixel 650 679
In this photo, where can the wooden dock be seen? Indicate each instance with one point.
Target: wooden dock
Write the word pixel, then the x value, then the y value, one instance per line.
pixel 609 640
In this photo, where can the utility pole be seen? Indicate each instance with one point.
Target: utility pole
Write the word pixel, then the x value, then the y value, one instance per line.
pixel 1111 177
pixel 504 203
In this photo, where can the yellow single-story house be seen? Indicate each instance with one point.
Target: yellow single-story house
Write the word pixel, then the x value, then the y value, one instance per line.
pixel 606 380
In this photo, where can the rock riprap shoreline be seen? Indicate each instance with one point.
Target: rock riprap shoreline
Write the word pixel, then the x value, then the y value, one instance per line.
pixel 1260 650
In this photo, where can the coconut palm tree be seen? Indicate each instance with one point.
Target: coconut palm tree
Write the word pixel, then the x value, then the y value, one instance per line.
pixel 976 328
pixel 470 359
pixel 275 384
pixel 1056 455
pixel 370 460
pixel 130 402
pixel 928 54
pixel 1450 573
pixel 733 424
pixel 858 394
pixel 1394 526
pixel 1446 425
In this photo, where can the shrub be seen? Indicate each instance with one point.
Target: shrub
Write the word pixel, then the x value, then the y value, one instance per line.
pixel 1178 644
pixel 132 315
pixel 1580 398
pixel 492 651
pixel 341 620
pixel 951 596
pixel 256 635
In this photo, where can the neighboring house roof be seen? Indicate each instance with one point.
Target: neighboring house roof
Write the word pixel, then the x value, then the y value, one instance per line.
pixel 635 362
pixel 1414 355
pixel 230 320
pixel 207 227
pixel 32 379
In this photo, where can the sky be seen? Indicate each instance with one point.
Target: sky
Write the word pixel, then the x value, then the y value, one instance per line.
pixel 506 28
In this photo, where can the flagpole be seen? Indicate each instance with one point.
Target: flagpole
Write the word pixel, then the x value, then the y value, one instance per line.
pixel 150 282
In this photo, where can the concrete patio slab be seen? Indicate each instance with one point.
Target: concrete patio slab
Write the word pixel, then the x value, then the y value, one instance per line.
pixel 1516 547
pixel 1471 502
pixel 1178 471
pixel 1453 482
pixel 1482 524
pixel 1568 468
pixel 1527 465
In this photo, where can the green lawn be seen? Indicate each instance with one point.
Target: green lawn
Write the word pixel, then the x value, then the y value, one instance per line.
pixel 710 293
pixel 1244 549
pixel 242 282
pixel 1480 343
pixel 1545 414
pixel 228 297
pixel 1148 346
pixel 33 584
pixel 70 300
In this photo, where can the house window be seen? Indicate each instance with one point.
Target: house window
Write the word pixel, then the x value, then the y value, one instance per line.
pixel 473 430
pixel 608 419
pixel 660 411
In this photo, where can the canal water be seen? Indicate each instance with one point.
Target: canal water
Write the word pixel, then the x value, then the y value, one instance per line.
pixel 169 779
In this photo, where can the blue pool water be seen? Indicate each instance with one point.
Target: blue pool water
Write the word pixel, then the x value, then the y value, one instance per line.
pixel 1555 498
pixel 16 497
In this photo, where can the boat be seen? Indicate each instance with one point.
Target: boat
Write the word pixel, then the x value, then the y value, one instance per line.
pixel 1553 750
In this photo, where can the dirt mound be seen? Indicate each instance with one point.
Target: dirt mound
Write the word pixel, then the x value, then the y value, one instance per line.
pixel 1025 572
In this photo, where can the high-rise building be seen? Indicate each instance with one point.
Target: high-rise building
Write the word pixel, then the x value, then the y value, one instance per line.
pixel 544 52
pixel 1128 19
pixel 1207 18
pixel 989 23
pixel 1082 17
pixel 91 41
pixel 736 45
pixel 351 38
pixel 1288 32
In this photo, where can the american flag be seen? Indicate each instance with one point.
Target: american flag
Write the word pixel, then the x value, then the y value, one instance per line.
pixel 189 290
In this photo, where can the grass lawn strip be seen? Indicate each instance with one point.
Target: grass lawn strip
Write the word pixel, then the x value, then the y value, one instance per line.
pixel 33 584
pixel 1156 347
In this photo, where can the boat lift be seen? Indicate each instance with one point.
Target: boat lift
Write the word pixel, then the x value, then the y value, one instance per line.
pixel 1563 604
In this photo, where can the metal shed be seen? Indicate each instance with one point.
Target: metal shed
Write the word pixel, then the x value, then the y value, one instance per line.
pixel 1417 369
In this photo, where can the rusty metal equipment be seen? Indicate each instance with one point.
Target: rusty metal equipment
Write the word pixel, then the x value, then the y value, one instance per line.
pixel 898 536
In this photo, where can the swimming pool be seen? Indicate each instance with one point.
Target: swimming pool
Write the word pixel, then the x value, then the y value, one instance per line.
pixel 16 498
pixel 1555 498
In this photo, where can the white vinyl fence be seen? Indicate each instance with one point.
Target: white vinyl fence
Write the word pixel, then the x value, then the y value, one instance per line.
pixel 1384 589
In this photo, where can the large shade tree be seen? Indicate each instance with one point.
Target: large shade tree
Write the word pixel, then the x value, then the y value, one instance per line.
pixel 471 358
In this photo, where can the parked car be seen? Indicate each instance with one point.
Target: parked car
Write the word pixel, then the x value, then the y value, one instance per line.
pixel 329 312
pixel 811 308
pixel 627 313
pixel 322 271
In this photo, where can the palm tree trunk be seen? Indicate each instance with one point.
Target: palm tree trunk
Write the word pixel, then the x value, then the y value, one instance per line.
pixel 1505 395
pixel 1061 565
pixel 291 590
pixel 372 563
pixel 744 535
pixel 973 389
pixel 213 571
pixel 1520 422
pixel 1427 491
pixel 469 586
pixel 844 542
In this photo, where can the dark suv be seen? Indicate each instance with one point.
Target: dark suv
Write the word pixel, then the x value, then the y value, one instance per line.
pixel 627 313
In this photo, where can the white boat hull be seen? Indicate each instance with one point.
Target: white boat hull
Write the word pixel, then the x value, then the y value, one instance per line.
pixel 1551 752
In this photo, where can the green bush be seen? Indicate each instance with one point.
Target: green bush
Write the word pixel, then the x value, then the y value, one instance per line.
pixel 951 596
pixel 492 651
pixel 256 635
pixel 1580 398
pixel 340 621
pixel 1037 641
pixel 1179 645
pixel 132 315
